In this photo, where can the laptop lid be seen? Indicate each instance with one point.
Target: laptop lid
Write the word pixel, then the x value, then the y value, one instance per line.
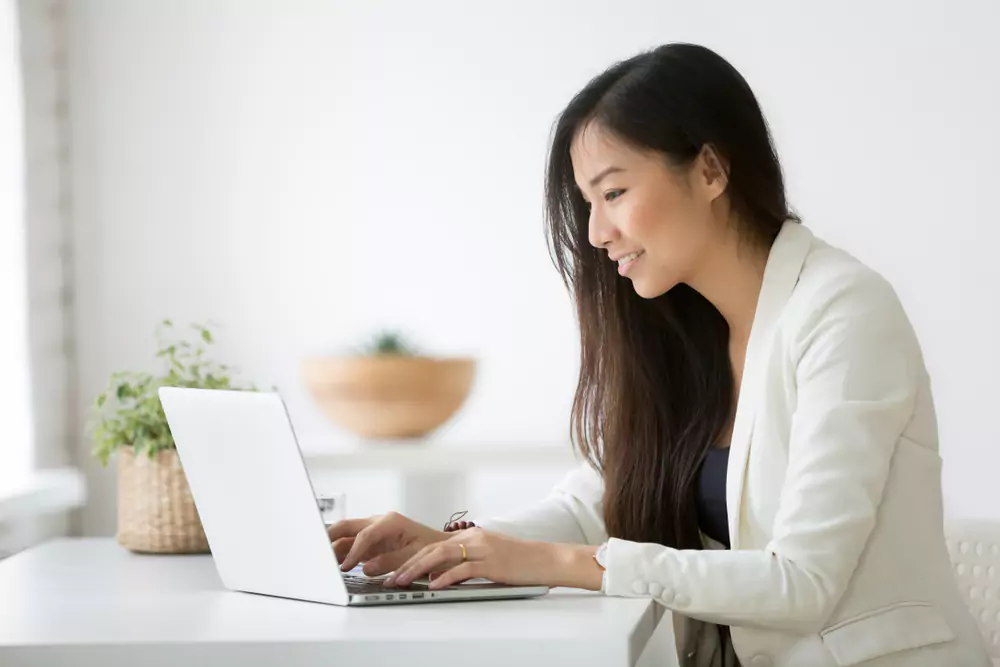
pixel 253 493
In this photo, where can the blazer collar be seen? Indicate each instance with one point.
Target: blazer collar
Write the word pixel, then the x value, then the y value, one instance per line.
pixel 781 273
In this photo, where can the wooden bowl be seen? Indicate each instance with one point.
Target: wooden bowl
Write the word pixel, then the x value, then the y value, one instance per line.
pixel 389 396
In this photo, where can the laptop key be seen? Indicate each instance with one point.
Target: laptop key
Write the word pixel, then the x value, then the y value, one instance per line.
pixel 362 585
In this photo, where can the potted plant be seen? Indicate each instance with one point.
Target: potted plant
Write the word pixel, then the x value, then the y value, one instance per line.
pixel 388 388
pixel 156 512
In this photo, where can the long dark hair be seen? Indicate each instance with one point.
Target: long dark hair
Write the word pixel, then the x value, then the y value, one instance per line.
pixel 656 383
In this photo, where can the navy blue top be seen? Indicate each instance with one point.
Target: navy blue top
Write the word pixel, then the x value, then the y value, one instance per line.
pixel 713 519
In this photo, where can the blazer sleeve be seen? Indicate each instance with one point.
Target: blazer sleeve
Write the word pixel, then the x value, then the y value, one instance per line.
pixel 571 513
pixel 857 366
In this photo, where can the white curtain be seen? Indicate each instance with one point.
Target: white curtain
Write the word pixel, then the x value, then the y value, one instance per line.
pixel 17 448
pixel 38 485
pixel 49 230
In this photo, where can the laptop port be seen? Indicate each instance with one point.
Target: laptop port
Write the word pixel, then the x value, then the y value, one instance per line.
pixel 402 596
pixel 388 597
pixel 417 596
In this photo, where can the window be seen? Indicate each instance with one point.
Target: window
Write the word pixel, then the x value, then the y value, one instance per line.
pixel 17 446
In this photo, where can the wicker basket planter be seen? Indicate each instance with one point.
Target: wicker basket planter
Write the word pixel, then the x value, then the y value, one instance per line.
pixel 156 513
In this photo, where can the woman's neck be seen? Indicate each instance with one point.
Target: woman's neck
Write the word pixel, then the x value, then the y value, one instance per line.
pixel 731 278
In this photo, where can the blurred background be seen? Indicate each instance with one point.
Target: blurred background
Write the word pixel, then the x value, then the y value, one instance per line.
pixel 303 174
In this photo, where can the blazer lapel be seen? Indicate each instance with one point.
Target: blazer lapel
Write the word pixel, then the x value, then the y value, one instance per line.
pixel 784 263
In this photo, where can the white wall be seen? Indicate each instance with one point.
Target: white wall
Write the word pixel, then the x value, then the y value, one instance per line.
pixel 304 172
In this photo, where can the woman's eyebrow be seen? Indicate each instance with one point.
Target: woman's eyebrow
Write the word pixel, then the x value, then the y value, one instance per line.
pixel 610 170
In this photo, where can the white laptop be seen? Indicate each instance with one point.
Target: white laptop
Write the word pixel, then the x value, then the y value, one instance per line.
pixel 259 510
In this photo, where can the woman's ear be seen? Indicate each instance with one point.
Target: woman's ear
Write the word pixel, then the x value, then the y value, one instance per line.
pixel 711 172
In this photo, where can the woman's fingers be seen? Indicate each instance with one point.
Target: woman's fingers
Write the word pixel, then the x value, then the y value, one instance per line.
pixel 455 575
pixel 386 528
pixel 342 547
pixel 435 557
pixel 388 562
pixel 407 566
pixel 346 528
pixel 364 544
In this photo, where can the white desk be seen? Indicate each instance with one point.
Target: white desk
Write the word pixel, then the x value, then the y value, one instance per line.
pixel 90 602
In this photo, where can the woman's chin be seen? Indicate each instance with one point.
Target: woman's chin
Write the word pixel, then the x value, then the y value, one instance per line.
pixel 646 294
pixel 648 290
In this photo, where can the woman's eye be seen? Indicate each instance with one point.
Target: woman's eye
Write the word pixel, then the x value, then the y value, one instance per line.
pixel 611 195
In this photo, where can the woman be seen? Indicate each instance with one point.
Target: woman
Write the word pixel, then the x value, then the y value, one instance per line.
pixel 753 404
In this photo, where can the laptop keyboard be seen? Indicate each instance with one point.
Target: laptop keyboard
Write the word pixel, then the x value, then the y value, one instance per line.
pixel 361 585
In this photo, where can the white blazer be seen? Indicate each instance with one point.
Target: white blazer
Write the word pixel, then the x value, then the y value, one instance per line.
pixel 838 552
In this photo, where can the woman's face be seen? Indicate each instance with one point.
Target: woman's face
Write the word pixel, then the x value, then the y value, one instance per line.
pixel 656 221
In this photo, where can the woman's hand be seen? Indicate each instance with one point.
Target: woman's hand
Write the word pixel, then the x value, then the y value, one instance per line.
pixel 382 543
pixel 503 559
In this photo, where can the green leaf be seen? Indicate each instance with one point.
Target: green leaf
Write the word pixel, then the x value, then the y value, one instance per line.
pixel 128 412
pixel 389 343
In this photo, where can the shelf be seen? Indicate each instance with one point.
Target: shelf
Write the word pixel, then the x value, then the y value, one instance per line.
pixel 431 456
pixel 42 492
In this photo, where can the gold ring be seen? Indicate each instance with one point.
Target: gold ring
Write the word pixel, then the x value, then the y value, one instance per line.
pixel 465 555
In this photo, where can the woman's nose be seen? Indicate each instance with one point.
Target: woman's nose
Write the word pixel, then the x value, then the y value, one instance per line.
pixel 600 231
